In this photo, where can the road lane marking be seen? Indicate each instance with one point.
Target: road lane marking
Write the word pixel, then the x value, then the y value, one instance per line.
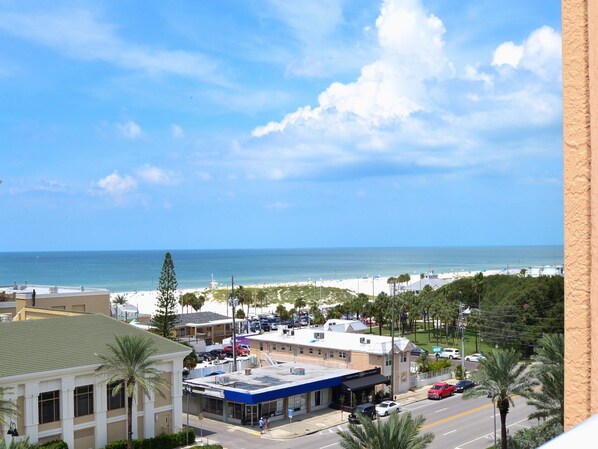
pixel 448 433
pixel 490 436
pixel 330 445
pixel 449 418
pixel 441 410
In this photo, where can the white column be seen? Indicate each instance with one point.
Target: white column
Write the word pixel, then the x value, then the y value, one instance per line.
pixel 135 418
pixel 148 415
pixel 100 407
pixel 67 409
pixel 177 398
pixel 30 413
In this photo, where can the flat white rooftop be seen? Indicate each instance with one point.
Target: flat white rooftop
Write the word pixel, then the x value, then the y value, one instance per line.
pixel 23 291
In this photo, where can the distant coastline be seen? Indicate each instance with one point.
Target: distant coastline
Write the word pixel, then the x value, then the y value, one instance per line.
pixel 139 270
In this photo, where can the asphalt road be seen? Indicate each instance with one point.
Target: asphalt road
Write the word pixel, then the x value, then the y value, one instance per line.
pixel 455 422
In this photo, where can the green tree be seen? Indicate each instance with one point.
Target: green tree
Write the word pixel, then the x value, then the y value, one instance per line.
pixel 262 298
pixel 187 299
pixel 299 303
pixel 500 376
pixel 198 302
pixel 382 308
pixel 400 431
pixel 8 409
pixel 282 312
pixel 165 319
pixel 119 300
pixel 549 369
pixel 128 364
pixel 240 314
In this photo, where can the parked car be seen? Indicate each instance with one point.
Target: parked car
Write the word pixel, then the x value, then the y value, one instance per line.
pixel 463 385
pixel 367 409
pixel 419 352
pixel 477 357
pixel 218 354
pixel 449 353
pixel 228 350
pixel 441 390
pixel 385 408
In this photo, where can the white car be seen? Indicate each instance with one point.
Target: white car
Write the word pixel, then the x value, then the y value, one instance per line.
pixel 477 357
pixel 449 353
pixel 385 408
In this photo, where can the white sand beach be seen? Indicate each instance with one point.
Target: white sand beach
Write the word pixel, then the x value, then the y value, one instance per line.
pixel 145 301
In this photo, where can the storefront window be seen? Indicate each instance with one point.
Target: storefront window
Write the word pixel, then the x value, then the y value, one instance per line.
pixel 272 408
pixel 214 406
pixel 297 402
pixel 235 410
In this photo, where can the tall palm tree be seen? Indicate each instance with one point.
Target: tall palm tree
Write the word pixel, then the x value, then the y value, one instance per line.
pixel 128 364
pixel 398 432
pixel 198 302
pixel 186 300
pixel 501 377
pixel 8 409
pixel 550 372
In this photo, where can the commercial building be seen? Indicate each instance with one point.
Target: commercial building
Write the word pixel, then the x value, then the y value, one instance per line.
pixel 13 298
pixel 207 326
pixel 49 366
pixel 276 391
pixel 316 346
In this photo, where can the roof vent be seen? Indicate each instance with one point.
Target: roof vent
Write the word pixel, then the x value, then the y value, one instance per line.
pixel 298 371
pixel 247 371
pixel 318 335
pixel 222 380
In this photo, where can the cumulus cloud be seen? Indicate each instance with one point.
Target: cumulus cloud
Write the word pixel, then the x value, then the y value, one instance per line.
pixel 156 175
pixel 116 186
pixel 129 130
pixel 540 53
pixel 409 113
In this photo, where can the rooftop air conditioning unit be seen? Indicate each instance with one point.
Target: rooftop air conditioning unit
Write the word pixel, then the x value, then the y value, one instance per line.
pixel 318 335
pixel 247 371
pixel 362 340
pixel 222 380
pixel 368 341
pixel 298 371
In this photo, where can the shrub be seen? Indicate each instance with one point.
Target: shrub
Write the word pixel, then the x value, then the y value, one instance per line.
pixel 164 441
pixel 54 444
pixel 459 372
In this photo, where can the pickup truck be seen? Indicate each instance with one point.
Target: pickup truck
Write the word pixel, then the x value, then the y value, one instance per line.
pixel 441 390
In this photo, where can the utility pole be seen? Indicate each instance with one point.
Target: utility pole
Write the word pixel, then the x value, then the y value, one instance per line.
pixel 233 304
pixel 462 326
pixel 392 344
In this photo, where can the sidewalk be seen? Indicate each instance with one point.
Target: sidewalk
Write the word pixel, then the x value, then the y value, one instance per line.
pixel 325 419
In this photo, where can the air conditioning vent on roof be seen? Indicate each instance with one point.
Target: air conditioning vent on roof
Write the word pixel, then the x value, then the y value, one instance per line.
pixel 298 371
pixel 368 341
pixel 362 340
pixel 318 335
pixel 222 380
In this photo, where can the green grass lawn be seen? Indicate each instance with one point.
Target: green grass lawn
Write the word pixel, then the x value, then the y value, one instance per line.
pixel 426 340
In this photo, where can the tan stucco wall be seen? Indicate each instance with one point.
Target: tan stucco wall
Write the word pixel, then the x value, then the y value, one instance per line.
pixel 91 303
pixel 580 120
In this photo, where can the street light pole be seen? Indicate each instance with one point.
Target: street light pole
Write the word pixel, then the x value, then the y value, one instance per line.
pixel 462 326
pixel 233 304
pixel 187 392
pixel 392 342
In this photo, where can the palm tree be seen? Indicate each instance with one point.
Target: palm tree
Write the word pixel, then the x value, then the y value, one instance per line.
pixel 8 409
pixel 198 302
pixel 500 377
pixel 398 432
pixel 119 300
pixel 128 365
pixel 186 300
pixel 262 298
pixel 550 372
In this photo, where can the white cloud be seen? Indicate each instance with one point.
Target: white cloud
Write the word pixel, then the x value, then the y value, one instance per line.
pixel 129 130
pixel 507 53
pixel 177 132
pixel 391 88
pixel 540 53
pixel 78 34
pixel 116 186
pixel 407 113
pixel 156 175
pixel 44 185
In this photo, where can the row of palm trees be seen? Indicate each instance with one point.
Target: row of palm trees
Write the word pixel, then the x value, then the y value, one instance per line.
pixel 500 377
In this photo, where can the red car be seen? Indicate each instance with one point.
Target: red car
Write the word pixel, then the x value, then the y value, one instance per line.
pixel 240 351
pixel 441 390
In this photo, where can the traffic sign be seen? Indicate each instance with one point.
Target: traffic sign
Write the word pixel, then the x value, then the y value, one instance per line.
pixel 290 413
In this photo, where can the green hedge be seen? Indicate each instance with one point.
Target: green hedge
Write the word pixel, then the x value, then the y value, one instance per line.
pixel 208 446
pixel 165 441
pixel 54 444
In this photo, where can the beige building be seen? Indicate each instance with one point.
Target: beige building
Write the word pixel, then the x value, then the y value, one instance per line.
pixel 317 346
pixel 580 135
pixel 77 299
pixel 50 367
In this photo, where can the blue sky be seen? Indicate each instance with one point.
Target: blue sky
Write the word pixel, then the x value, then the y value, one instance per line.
pixel 257 124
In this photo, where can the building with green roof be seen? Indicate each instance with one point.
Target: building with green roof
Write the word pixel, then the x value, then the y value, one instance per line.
pixel 50 367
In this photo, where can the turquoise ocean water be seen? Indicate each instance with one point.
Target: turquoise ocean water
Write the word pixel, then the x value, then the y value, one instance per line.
pixel 139 270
